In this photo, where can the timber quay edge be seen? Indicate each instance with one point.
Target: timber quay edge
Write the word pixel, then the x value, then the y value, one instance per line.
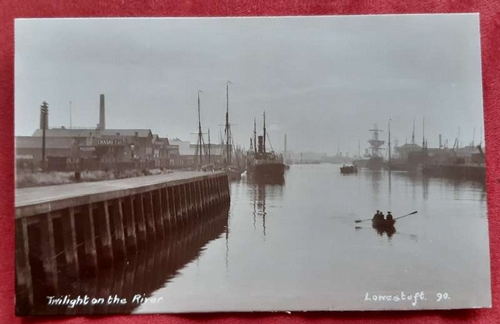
pixel 72 231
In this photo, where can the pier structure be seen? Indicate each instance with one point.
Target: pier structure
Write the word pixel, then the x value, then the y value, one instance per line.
pixel 74 230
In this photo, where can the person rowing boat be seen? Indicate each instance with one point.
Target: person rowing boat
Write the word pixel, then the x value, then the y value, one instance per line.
pixel 379 221
pixel 377 218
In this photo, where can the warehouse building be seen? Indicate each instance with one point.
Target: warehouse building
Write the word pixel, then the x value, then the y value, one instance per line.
pixel 94 149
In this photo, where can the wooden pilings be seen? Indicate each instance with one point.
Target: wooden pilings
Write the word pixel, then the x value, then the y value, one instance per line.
pixel 98 234
pixel 137 276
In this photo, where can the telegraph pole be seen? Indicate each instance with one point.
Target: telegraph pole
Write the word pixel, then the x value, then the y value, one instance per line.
pixel 44 118
pixel 70 117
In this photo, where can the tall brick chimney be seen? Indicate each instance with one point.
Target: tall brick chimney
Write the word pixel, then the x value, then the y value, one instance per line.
pixel 102 114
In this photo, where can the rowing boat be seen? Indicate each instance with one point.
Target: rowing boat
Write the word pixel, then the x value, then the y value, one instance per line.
pixel 383 223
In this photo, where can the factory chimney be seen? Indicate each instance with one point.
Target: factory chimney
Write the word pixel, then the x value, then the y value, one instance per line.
pixel 102 114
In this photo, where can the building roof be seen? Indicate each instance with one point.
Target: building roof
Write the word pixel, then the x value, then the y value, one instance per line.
pixel 50 142
pixel 65 132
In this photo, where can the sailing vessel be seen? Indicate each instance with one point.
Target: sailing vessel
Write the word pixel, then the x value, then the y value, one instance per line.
pixel 373 161
pixel 263 165
pixel 233 171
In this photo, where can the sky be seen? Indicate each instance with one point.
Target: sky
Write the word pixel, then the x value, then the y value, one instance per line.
pixel 323 81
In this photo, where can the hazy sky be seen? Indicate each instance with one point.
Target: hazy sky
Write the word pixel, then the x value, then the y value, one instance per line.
pixel 323 81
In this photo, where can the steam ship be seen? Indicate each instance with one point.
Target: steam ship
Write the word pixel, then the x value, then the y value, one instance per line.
pixel 263 165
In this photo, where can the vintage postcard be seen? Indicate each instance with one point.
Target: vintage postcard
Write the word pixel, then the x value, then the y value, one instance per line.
pixel 174 165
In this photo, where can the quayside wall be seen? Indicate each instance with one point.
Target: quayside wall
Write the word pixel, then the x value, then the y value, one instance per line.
pixel 75 230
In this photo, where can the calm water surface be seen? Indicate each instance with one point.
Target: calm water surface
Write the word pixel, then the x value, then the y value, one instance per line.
pixel 295 246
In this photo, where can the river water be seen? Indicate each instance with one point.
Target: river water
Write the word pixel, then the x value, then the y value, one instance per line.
pixel 295 246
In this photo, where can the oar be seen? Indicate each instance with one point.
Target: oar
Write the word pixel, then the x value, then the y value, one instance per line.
pixel 406 215
pixel 364 220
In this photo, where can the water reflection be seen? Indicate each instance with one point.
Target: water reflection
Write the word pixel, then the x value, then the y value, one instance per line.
pixel 375 177
pixel 387 230
pixel 260 189
pixel 139 276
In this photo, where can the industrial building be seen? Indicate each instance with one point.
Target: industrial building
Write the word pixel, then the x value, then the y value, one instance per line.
pixel 93 149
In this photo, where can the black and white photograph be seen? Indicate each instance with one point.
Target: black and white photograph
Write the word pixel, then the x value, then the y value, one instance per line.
pixel 186 165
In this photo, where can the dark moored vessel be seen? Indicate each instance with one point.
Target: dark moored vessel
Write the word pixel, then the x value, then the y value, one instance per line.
pixel 375 163
pixel 348 169
pixel 262 164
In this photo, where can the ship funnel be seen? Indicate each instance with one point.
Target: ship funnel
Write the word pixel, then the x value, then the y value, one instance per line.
pixel 261 144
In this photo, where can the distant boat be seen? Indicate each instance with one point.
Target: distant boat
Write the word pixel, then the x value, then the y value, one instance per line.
pixel 348 169
pixel 375 162
pixel 372 161
pixel 262 164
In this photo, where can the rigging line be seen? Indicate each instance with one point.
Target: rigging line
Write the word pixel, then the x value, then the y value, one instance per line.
pixel 270 144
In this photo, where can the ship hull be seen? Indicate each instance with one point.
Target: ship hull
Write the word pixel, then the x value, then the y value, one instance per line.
pixel 400 166
pixel 360 163
pixel 267 171
pixel 375 163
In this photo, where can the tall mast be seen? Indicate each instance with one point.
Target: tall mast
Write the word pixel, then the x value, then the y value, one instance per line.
pixel 423 133
pixel 481 137
pixel 264 142
pixel 200 135
pixel 228 142
pixel 209 153
pixel 255 135
pixel 389 141
pixel 359 149
pixel 285 152
pixel 413 134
